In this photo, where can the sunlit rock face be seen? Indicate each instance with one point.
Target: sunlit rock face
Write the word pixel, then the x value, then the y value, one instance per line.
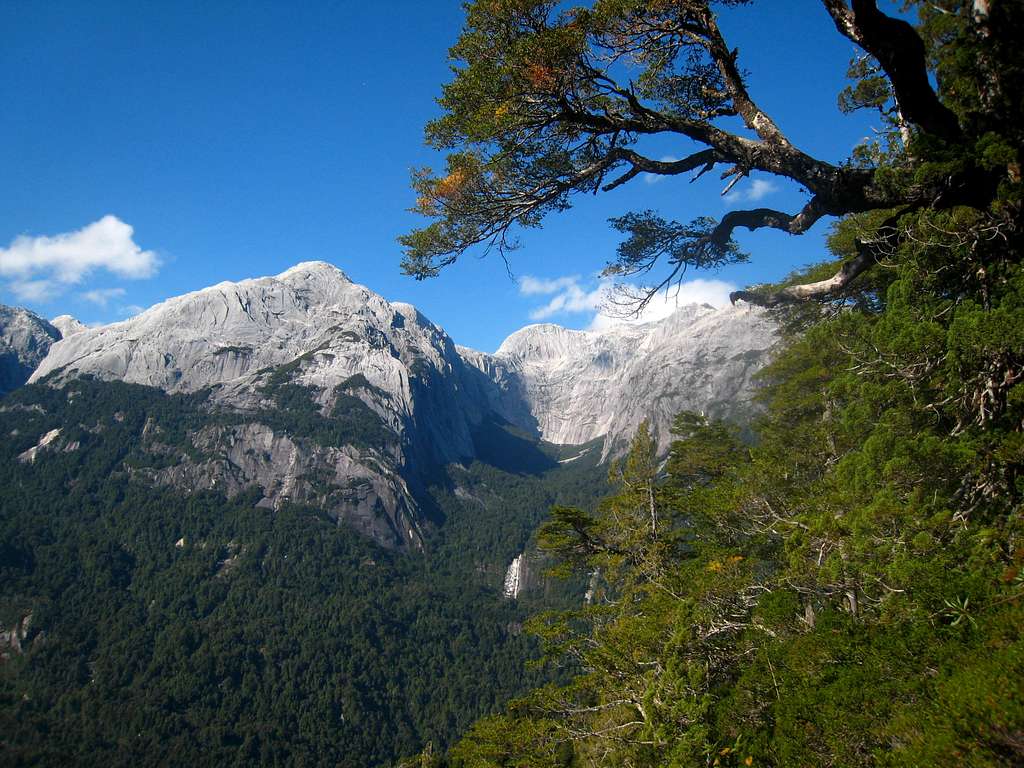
pixel 309 327
pixel 67 325
pixel 574 386
pixel 25 338
pixel 311 317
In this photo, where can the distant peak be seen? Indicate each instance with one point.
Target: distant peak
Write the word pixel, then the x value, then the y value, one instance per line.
pixel 67 325
pixel 538 329
pixel 312 267
pixel 549 336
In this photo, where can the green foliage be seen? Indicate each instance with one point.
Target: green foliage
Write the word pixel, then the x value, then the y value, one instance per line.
pixel 651 237
pixel 846 590
pixel 520 69
pixel 213 631
pixel 703 451
pixel 348 421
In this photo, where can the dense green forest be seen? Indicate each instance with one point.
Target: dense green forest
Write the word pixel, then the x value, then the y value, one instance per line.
pixel 200 630
pixel 847 592
pixel 848 589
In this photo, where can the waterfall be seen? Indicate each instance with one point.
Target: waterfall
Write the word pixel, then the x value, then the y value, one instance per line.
pixel 513 578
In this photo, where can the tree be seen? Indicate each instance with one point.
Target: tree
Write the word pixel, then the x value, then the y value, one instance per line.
pixel 847 589
pixel 548 102
pixel 836 594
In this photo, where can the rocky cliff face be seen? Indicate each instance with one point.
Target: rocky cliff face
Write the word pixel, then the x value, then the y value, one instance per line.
pixel 356 484
pixel 336 396
pixel 574 386
pixel 25 338
pixel 310 326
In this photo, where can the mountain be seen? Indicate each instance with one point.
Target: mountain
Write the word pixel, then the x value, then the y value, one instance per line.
pixel 138 620
pixel 25 338
pixel 318 391
pixel 336 397
pixel 67 325
pixel 571 387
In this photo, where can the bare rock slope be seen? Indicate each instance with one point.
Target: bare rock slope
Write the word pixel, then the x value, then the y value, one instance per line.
pixel 571 387
pixel 67 325
pixel 311 318
pixel 25 338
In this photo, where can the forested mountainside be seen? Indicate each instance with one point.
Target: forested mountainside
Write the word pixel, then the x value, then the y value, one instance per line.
pixel 284 521
pixel 846 592
pixel 848 589
pixel 142 625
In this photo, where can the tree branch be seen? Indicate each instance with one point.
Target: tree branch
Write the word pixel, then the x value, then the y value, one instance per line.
pixel 536 133
pixel 901 52
pixel 868 252
pixel 772 154
pixel 706 159
pixel 757 218
pixel 821 289
pixel 753 116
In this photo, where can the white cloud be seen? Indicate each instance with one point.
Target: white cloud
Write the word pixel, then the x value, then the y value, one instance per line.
pixel 102 296
pixel 131 310
pixel 757 189
pixel 532 286
pixel 700 291
pixel 697 291
pixel 40 267
pixel 37 291
pixel 573 296
pixel 572 300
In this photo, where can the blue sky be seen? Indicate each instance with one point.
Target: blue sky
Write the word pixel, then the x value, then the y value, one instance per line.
pixel 182 144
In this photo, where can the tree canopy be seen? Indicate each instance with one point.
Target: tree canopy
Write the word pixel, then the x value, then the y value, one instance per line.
pixel 848 589
pixel 549 101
